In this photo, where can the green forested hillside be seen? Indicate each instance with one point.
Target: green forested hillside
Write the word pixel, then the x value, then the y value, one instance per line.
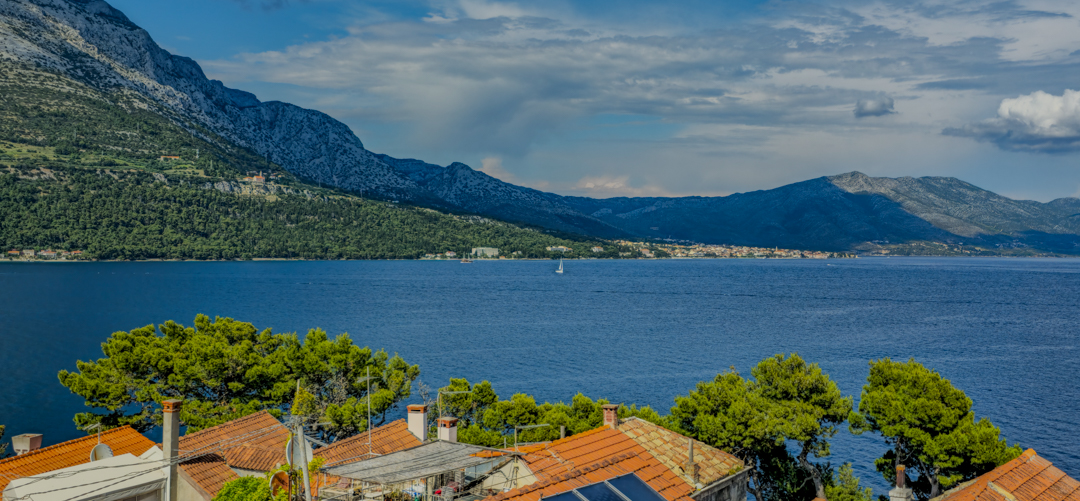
pixel 87 127
pixel 133 215
pixel 80 169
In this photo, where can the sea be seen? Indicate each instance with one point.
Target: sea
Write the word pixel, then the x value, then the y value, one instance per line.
pixel 1006 331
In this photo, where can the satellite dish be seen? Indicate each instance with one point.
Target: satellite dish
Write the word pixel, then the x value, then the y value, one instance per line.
pixel 292 452
pixel 279 482
pixel 99 452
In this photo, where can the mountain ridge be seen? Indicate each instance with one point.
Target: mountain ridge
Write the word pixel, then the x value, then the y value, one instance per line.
pixel 93 43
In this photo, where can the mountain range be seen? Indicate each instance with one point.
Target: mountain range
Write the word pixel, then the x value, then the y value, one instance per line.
pixel 97 46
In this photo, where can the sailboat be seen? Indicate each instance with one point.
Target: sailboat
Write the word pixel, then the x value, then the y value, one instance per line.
pixel 560 266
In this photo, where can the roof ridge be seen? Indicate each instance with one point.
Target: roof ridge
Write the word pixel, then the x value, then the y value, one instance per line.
pixel 1023 458
pixel 110 431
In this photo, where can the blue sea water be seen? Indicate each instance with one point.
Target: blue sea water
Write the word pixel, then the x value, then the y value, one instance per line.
pixel 1004 330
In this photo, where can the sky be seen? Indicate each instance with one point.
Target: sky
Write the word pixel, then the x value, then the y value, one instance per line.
pixel 647 98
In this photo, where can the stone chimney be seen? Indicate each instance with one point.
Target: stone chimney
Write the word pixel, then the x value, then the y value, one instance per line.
pixel 170 442
pixel 448 429
pixel 901 492
pixel 418 421
pixel 611 415
pixel 27 442
pixel 691 467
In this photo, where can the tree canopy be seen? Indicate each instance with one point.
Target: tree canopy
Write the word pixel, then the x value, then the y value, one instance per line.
pixel 788 400
pixel 486 420
pixel 224 369
pixel 929 425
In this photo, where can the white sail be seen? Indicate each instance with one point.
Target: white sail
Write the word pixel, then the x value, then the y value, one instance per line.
pixel 560 267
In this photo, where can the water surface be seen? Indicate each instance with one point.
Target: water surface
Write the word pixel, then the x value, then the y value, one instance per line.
pixel 1003 330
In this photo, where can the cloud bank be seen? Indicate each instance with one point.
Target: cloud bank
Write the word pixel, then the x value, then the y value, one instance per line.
pixel 728 106
pixel 1037 122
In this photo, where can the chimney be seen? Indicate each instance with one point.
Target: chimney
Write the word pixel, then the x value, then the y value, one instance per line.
pixel 448 429
pixel 418 421
pixel 170 441
pixel 611 415
pixel 27 442
pixel 901 492
pixel 691 467
pixel 562 431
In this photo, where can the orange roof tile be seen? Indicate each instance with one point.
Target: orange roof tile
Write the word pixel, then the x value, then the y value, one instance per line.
pixel 208 473
pixel 253 442
pixel 670 486
pixel 591 457
pixel 122 440
pixel 672 450
pixel 391 437
pixel 259 429
pixel 1026 478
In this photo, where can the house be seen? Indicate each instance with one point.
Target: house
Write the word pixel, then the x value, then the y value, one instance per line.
pixel 646 253
pixel 597 249
pixel 485 252
pixel 33 460
pixel 165 158
pixel 635 456
pixel 559 248
pixel 47 254
pixel 28 253
pixel 676 467
pixel 13 253
pixel 1026 478
pixel 381 441
pixel 451 254
pixel 125 477
pixel 430 468
pixel 245 447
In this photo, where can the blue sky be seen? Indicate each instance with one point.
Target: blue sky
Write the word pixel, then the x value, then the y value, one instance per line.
pixel 640 97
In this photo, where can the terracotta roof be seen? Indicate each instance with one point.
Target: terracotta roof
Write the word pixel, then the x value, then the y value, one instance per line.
pixel 208 474
pixel 642 464
pixel 590 457
pixel 1026 478
pixel 259 430
pixel 254 458
pixel 121 440
pixel 391 437
pixel 672 450
pixel 253 442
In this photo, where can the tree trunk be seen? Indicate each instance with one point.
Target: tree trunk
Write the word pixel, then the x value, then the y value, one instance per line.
pixel 819 485
pixel 935 485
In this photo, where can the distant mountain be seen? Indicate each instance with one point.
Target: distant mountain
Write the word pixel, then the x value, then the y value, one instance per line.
pixel 92 43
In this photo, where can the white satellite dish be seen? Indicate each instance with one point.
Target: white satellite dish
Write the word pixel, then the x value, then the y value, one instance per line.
pixel 99 452
pixel 292 452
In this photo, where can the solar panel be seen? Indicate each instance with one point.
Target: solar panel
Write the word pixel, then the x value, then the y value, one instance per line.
pixel 566 496
pixel 599 492
pixel 627 487
pixel 634 488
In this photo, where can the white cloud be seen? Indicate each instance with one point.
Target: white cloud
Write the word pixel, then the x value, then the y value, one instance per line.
pixel 1037 122
pixel 875 107
pixel 605 186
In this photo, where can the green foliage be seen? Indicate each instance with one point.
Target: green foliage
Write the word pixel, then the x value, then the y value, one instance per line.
pixel 787 400
pixel 845 487
pixel 109 129
pixel 224 369
pixel 929 425
pixel 3 445
pixel 132 215
pixel 245 489
pixel 486 420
